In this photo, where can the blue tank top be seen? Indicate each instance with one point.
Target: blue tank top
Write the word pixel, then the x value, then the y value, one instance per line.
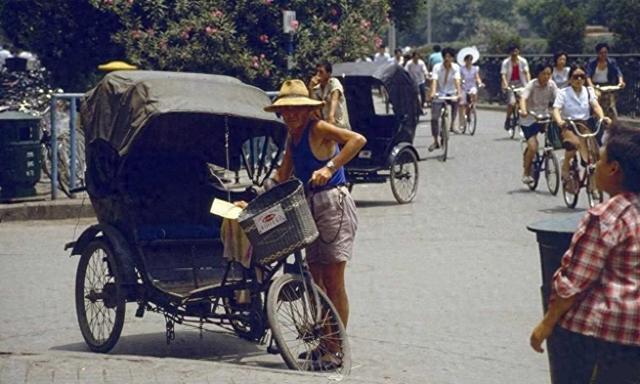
pixel 305 163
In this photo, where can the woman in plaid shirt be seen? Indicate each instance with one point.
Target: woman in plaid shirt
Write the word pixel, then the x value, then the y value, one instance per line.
pixel 596 291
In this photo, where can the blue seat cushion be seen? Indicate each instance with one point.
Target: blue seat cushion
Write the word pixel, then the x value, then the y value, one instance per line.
pixel 177 232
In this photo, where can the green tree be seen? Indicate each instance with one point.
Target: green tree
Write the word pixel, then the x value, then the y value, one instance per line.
pixel 244 38
pixel 70 37
pixel 565 29
pixel 406 13
pixel 625 24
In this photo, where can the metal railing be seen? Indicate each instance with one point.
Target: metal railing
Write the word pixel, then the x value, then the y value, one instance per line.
pixel 73 101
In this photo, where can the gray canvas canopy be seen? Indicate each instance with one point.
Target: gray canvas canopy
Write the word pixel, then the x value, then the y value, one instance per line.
pixel 124 102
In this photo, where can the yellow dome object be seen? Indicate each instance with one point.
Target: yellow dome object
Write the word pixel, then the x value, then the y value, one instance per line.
pixel 116 66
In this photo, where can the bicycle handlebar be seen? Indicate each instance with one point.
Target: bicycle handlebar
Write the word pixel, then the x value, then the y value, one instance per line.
pixel 607 88
pixel 540 118
pixel 595 133
pixel 445 98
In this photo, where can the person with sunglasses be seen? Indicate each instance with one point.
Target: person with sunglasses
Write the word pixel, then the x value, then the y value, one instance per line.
pixel 575 102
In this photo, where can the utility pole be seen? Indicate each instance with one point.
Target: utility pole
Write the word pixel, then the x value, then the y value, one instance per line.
pixel 392 37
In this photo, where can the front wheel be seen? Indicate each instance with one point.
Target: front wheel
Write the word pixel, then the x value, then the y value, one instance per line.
pixel 534 171
pixel 472 121
pixel 513 124
pixel 571 197
pixel 299 335
pixel 551 173
pixel 404 176
pixel 594 195
pixel 100 300
pixel 444 134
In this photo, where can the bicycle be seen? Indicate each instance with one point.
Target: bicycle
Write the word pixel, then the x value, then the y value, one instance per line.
pixel 514 119
pixel 545 159
pixel 606 93
pixel 444 123
pixel 584 179
pixel 470 115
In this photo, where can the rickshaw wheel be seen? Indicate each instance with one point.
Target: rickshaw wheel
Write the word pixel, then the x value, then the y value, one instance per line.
pixel 291 312
pixel 100 301
pixel 254 328
pixel 404 176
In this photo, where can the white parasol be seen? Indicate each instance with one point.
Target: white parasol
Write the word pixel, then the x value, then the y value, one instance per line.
pixel 473 51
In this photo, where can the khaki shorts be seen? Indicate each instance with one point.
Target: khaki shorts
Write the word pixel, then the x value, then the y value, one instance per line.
pixel 334 212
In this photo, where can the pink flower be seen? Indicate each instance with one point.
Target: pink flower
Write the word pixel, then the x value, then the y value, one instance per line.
pixel 217 13
pixel 366 24
pixel 151 32
pixel 334 12
pixel 267 73
pixel 267 2
pixel 294 25
pixel 184 35
pixel 334 27
pixel 211 30
pixel 262 56
pixel 264 38
pixel 136 34
pixel 255 64
pixel 108 2
pixel 377 41
pixel 163 45
pixel 130 2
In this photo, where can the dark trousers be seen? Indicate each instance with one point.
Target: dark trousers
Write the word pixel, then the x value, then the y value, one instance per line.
pixel 581 359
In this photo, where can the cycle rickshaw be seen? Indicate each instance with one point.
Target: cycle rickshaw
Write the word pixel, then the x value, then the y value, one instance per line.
pixel 160 147
pixel 382 101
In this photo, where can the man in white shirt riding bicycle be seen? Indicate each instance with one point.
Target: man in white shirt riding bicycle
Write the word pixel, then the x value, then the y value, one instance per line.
pixel 514 72
pixel 445 81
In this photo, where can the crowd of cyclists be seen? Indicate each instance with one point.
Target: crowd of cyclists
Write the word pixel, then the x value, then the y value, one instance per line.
pixel 567 101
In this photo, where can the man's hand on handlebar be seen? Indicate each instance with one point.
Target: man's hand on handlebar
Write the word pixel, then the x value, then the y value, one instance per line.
pixel 524 113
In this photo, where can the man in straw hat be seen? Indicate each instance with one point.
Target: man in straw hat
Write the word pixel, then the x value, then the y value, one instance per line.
pixel 316 153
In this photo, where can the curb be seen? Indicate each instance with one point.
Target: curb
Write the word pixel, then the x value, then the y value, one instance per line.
pixel 46 210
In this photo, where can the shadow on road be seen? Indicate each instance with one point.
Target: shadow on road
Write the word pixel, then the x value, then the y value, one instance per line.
pixel 506 138
pixel 375 203
pixel 561 209
pixel 218 347
pixel 525 190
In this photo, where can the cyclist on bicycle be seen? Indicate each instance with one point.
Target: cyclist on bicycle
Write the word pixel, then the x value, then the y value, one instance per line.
pixel 605 71
pixel 536 98
pixel 445 81
pixel 471 81
pixel 514 72
pixel 575 102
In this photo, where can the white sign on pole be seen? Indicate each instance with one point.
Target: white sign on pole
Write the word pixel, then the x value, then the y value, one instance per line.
pixel 288 17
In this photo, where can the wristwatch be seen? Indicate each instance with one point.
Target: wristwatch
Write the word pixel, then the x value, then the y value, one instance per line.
pixel 331 165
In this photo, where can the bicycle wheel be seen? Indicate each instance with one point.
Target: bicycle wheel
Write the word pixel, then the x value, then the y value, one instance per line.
pixel 551 173
pixel 594 196
pixel 291 314
pixel 534 172
pixel 472 121
pixel 100 301
pixel 513 124
pixel 404 176
pixel 254 327
pixel 571 198
pixel 444 134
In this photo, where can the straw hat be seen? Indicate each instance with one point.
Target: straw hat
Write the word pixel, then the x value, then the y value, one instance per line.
pixel 293 93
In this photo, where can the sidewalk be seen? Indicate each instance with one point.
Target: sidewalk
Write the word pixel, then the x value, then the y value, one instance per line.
pixel 65 367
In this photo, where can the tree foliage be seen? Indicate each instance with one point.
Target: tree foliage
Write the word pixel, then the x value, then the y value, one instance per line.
pixel 70 37
pixel 625 23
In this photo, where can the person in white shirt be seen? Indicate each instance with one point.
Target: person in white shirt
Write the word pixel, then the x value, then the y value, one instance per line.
pixel 445 81
pixel 513 72
pixel 560 74
pixel 575 102
pixel 381 56
pixel 418 71
pixel 397 57
pixel 536 98
pixel 470 75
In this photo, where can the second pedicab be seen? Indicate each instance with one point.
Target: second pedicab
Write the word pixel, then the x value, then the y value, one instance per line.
pixel 382 101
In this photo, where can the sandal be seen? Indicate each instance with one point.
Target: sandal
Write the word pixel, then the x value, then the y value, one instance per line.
pixel 568 183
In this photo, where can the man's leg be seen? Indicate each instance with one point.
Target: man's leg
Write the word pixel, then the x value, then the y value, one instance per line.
pixel 454 114
pixel 529 154
pixel 435 117
pixel 423 91
pixel 511 100
pixel 335 288
pixel 463 110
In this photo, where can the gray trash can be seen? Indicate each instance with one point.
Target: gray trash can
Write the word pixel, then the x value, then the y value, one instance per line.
pixel 554 237
pixel 20 155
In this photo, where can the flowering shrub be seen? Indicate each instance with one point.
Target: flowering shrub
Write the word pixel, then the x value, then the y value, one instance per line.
pixel 245 38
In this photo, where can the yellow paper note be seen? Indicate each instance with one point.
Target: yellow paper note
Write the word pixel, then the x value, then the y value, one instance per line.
pixel 225 209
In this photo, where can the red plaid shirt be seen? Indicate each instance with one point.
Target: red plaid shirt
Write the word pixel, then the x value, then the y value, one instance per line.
pixel 602 267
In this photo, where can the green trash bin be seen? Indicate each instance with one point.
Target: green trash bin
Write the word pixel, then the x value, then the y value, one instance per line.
pixel 554 237
pixel 20 155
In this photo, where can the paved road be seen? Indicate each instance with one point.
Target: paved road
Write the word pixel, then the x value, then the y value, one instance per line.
pixel 443 290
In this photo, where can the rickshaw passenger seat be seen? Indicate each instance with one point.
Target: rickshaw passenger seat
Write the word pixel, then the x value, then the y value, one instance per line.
pixel 177 232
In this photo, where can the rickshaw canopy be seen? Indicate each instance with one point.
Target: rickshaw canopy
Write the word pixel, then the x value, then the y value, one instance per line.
pixel 125 102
